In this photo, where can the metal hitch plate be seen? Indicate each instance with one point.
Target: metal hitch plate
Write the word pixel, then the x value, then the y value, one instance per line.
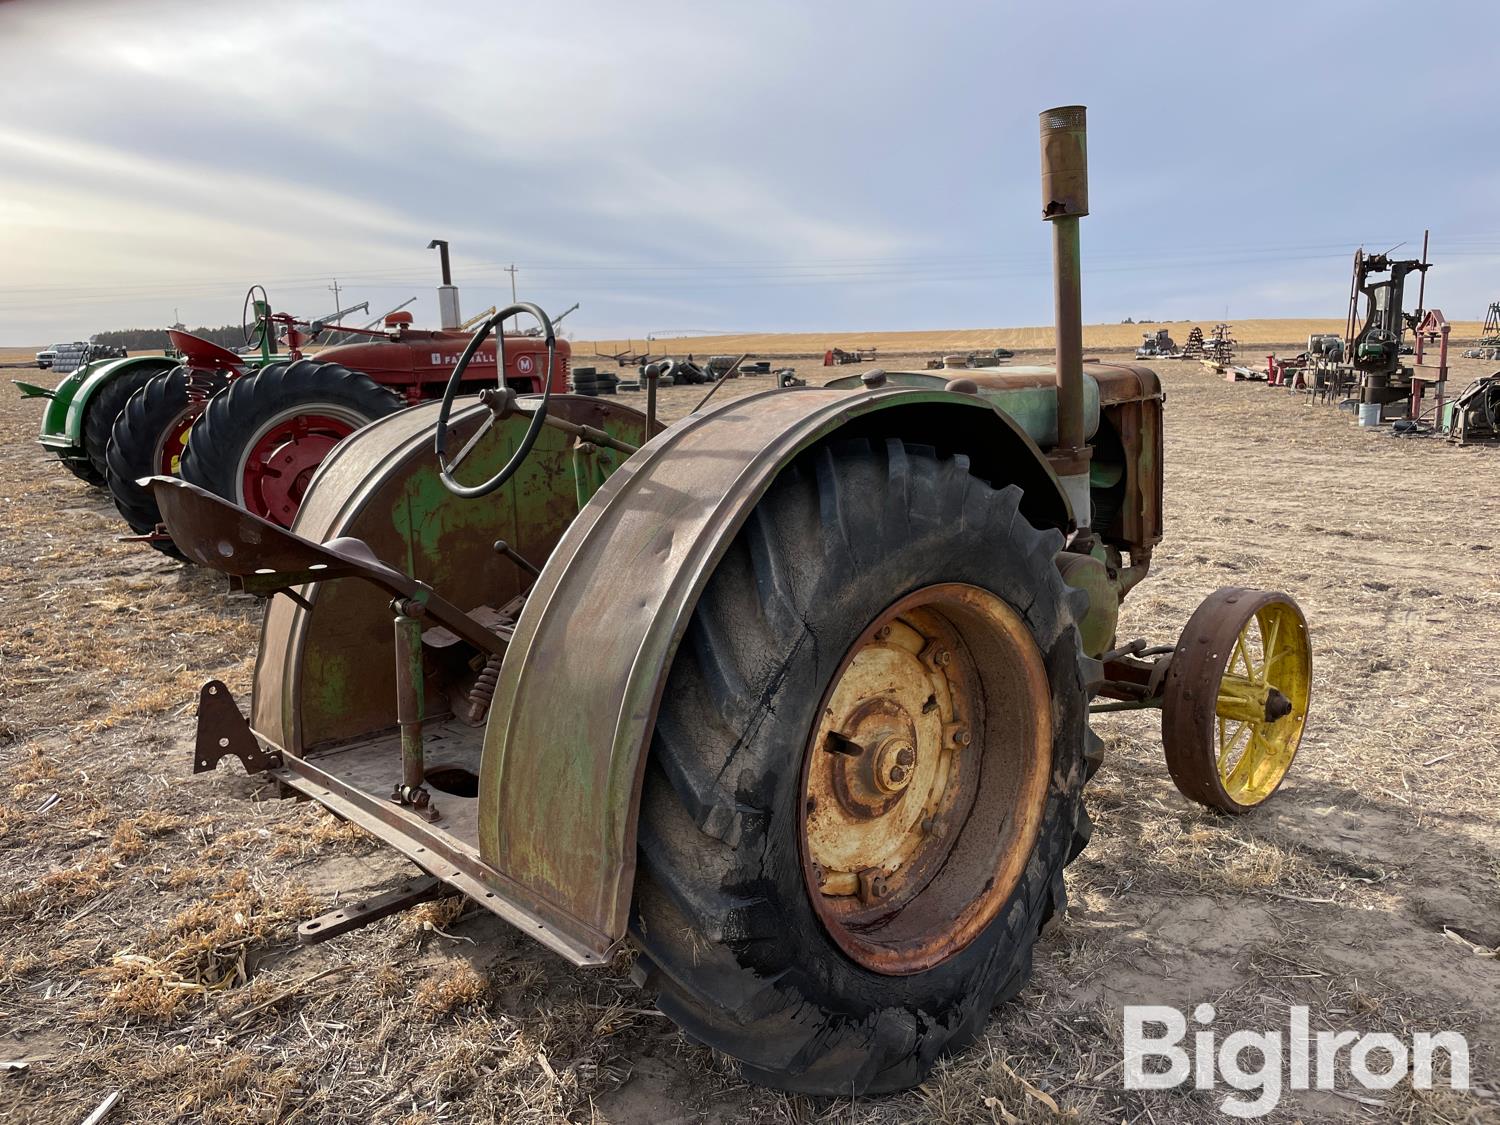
pixel 223 731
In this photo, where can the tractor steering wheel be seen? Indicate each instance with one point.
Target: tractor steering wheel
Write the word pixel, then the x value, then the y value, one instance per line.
pixel 247 332
pixel 538 416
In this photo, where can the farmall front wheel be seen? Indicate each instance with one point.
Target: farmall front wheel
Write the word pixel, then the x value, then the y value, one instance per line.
pixel 866 774
pixel 259 443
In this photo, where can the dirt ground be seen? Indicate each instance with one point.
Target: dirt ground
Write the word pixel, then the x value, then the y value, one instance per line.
pixel 147 916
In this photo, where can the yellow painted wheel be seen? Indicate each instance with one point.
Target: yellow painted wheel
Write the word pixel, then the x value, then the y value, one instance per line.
pixel 1236 698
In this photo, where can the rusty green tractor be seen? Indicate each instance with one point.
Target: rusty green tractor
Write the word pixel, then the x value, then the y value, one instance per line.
pixel 791 698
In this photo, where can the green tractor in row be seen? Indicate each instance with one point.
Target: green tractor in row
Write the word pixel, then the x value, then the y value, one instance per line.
pixel 81 410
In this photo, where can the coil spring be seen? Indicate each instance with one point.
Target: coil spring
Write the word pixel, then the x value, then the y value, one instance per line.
pixel 483 691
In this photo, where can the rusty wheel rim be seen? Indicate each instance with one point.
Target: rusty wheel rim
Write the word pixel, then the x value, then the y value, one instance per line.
pixel 1237 697
pixel 924 782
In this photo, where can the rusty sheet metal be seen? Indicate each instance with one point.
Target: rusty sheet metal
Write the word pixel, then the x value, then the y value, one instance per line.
pixel 565 747
pixel 1136 416
pixel 1028 395
pixel 448 858
pixel 327 675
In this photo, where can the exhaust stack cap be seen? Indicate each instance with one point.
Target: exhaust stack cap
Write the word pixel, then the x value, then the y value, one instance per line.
pixel 1065 165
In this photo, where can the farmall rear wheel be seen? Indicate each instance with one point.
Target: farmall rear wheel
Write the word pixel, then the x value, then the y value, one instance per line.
pixel 259 443
pixel 1236 698
pixel 866 774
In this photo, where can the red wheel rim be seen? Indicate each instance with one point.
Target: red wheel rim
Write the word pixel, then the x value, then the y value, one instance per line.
pixel 281 462
pixel 174 443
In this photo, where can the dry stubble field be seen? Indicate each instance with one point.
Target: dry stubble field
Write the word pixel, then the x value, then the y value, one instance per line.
pixel 147 915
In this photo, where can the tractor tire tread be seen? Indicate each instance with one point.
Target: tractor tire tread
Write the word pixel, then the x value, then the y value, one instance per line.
pixel 132 443
pixel 232 419
pixel 711 930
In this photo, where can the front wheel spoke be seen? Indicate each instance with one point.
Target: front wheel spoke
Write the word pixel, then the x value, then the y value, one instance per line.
pixel 1227 744
pixel 1246 768
pixel 1239 651
pixel 1229 752
pixel 1268 648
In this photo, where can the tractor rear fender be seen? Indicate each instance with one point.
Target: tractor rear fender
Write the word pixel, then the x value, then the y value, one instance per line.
pixel 565 750
pixel 62 424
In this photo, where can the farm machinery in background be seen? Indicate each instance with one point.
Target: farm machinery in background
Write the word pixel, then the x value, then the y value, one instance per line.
pixel 991 357
pixel 793 695
pixel 1158 344
pixel 838 357
pixel 1366 369
pixel 1488 344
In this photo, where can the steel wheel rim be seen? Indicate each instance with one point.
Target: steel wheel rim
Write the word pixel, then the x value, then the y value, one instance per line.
pixel 924 782
pixel 279 460
pixel 1271 654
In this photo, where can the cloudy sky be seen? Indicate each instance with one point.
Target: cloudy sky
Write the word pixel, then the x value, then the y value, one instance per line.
pixel 827 164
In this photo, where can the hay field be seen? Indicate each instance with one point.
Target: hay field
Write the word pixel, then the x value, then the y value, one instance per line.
pixel 148 914
pixel 1250 333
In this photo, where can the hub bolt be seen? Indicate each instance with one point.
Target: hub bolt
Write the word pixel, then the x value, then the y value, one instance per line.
pixel 872 885
pixel 907 756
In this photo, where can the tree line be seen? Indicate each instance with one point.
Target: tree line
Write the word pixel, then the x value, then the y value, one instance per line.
pixel 155 339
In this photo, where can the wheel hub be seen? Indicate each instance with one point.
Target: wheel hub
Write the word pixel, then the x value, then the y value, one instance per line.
pixel 281 460
pixel 893 772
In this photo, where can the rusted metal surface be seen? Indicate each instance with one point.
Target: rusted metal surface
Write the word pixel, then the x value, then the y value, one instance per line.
pixel 1065 174
pixel 326 676
pixel 1065 199
pixel 410 704
pixel 450 858
pixel 1135 419
pixel 1212 685
pixel 353 915
pixel 263 558
pixel 562 822
pixel 936 735
pixel 223 733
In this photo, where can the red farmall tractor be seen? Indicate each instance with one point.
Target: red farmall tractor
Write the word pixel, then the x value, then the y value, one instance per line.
pixel 793 697
pixel 262 423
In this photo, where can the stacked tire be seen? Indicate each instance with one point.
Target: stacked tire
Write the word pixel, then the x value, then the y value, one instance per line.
pixel 591 381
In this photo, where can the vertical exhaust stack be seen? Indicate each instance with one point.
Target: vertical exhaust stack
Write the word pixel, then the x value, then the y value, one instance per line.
pixel 449 318
pixel 1065 200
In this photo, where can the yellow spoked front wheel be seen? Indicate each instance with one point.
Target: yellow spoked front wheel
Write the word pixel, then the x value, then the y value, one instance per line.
pixel 1236 698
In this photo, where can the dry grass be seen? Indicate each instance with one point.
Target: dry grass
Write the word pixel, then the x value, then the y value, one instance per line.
pixel 148 914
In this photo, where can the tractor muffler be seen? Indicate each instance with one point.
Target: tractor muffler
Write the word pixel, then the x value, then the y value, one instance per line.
pixel 1065 200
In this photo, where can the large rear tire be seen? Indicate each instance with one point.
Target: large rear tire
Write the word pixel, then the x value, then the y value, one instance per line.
pixel 259 443
pixel 150 439
pixel 871 575
pixel 102 410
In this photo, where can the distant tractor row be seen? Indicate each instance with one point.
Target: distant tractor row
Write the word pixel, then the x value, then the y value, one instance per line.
pixel 261 421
